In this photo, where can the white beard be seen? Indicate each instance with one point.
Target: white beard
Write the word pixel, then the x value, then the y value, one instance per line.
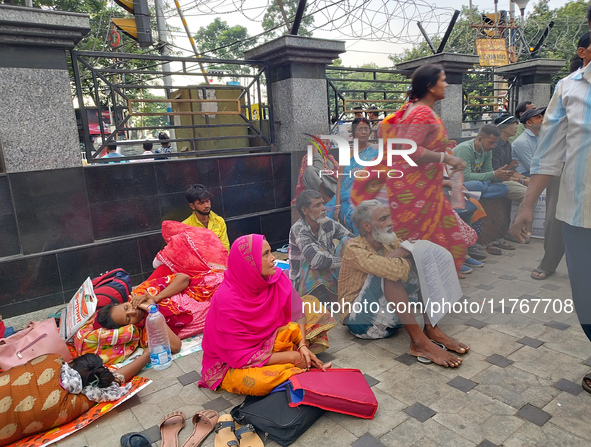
pixel 383 236
pixel 320 220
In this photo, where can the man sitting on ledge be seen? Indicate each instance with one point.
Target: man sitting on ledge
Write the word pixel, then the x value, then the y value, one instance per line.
pixel 376 273
pixel 314 261
pixel 199 199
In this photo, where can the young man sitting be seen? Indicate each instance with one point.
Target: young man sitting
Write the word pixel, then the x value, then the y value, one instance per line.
pixel 199 199
pixel 314 261
pixel 377 273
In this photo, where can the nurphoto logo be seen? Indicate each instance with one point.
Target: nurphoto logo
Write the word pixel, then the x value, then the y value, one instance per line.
pixel 345 155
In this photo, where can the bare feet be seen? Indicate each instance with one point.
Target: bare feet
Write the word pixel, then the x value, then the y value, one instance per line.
pixel 434 353
pixel 434 333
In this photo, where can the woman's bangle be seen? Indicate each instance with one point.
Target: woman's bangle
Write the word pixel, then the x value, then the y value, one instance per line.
pixel 442 157
pixel 303 346
pixel 337 206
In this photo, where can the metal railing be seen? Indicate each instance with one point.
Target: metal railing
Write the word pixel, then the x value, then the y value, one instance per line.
pixel 484 96
pixel 348 88
pixel 137 96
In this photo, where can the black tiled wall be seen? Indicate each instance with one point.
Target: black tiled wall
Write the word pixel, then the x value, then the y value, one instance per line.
pixel 58 227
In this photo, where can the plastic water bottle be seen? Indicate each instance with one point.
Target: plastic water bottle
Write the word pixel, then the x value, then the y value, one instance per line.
pixel 457 195
pixel 158 341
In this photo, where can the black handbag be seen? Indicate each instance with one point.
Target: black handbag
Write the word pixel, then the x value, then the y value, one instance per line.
pixel 273 418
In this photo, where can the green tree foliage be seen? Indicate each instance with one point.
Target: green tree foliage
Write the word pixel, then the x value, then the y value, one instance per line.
pixel 274 18
pixel 218 40
pixel 570 22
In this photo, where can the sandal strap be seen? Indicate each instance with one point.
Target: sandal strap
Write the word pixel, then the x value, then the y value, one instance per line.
pixel 224 424
pixel 246 428
pixel 231 443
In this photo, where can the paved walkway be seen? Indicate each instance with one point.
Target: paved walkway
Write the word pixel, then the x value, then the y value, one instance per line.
pixel 518 386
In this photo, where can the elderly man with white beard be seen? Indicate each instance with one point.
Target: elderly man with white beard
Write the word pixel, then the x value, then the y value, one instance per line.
pixel 314 260
pixel 376 280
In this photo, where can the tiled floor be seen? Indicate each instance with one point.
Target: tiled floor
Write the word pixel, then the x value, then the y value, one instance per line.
pixel 518 386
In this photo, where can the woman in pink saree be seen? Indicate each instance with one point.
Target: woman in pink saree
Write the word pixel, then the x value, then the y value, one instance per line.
pixel 252 339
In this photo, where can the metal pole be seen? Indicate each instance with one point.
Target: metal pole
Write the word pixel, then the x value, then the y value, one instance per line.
pixel 298 17
pixel 182 17
pixel 164 51
pixel 29 3
pixel 280 3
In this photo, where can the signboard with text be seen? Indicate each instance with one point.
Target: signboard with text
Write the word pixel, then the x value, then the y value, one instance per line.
pixel 492 52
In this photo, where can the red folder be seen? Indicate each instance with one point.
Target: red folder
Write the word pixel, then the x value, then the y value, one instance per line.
pixel 340 390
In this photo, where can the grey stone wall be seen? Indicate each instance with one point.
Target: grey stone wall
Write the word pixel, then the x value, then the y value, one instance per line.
pixel 299 107
pixel 38 123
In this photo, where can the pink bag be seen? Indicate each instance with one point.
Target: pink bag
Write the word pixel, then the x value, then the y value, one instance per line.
pixel 38 338
pixel 340 390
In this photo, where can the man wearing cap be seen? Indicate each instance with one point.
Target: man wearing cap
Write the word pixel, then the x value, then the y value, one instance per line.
pixel 525 145
pixel 523 106
pixel 501 156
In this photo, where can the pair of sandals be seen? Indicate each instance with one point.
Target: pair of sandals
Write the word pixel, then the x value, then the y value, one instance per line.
pixel 496 247
pixel 203 424
pixel 231 434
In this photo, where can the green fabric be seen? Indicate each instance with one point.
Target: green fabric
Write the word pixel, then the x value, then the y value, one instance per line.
pixel 478 166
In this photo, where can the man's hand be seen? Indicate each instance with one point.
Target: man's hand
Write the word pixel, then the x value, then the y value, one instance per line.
pixel 503 173
pixel 456 163
pixel 399 253
pixel 521 228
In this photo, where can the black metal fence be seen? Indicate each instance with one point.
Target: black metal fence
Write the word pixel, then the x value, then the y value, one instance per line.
pixel 205 106
pixel 485 95
pixel 374 90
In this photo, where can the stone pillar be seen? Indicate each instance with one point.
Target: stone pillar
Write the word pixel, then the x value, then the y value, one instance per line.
pixel 37 123
pixel 449 109
pixel 298 86
pixel 535 78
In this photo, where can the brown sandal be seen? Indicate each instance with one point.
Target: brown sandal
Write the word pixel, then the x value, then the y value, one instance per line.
pixel 494 249
pixel 170 427
pixel 203 422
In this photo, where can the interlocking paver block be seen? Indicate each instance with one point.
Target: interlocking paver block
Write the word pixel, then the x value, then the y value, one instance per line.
pixel 569 386
pixel 531 342
pixel 462 384
pixel 219 404
pixel 367 440
pixel 152 433
pixel 499 360
pixel 190 377
pixel 475 323
pixel 407 359
pixel 557 325
pixel 486 443
pixel 533 415
pixel 371 381
pixel 420 412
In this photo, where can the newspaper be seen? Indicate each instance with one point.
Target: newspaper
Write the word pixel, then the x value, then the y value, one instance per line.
pixel 440 287
pixel 80 308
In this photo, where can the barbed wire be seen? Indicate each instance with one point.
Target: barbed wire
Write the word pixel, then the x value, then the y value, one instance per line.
pixel 370 20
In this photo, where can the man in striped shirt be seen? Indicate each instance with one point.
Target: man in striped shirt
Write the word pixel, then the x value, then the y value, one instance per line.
pixel 314 260
pixel 565 137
